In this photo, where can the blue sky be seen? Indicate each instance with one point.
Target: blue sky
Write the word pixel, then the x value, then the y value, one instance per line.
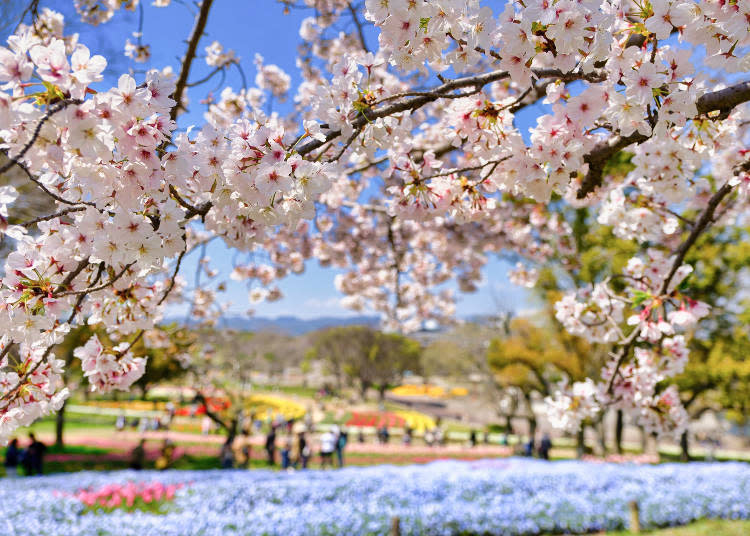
pixel 250 27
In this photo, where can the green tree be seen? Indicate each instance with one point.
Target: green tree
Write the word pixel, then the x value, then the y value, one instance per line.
pixel 366 357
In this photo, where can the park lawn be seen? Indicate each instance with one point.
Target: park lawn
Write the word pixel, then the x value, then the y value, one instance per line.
pixel 706 527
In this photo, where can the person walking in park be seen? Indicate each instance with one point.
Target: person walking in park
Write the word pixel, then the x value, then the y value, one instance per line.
pixel 544 446
pixel 138 456
pixel 327 446
pixel 165 457
pixel 341 440
pixel 247 453
pixel 120 422
pixel 226 456
pixel 286 453
pixel 407 435
pixel 303 451
pixel 33 461
pixel 12 458
pixel 271 445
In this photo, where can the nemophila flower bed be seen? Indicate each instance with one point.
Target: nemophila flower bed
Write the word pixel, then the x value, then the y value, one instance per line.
pixel 508 497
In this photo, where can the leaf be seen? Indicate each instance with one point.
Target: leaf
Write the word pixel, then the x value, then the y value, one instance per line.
pixel 639 296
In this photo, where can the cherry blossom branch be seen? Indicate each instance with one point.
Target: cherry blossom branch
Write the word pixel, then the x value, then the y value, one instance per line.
pixel 701 225
pixel 79 301
pixel 438 92
pixel 52 216
pixel 49 192
pixel 200 210
pixel 174 275
pixel 723 100
pixel 706 218
pixel 103 286
pixel 52 110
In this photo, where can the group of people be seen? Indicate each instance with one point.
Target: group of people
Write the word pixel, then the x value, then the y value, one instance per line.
pixel 542 448
pixel 145 424
pixel 332 441
pixel 30 459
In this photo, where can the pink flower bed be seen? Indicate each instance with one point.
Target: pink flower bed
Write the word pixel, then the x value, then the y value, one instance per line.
pixel 130 495
pixel 623 458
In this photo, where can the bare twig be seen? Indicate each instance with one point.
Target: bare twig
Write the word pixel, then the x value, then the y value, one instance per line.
pixel 52 216
pixel 358 24
pixel 187 60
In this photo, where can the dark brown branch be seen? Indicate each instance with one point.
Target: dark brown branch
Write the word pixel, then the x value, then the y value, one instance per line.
pixel 52 216
pixel 191 210
pixel 706 218
pixel 49 192
pixel 599 156
pixel 129 347
pixel 72 275
pixel 187 60
pixel 441 91
pixel 82 297
pixel 89 290
pixel 723 100
pixel 174 275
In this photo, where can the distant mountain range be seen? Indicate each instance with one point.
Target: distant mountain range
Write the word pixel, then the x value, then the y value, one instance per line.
pixel 290 325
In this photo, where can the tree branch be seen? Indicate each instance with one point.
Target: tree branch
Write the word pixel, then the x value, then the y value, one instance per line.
pixel 187 60
pixel 52 110
pixel 444 90
pixel 723 100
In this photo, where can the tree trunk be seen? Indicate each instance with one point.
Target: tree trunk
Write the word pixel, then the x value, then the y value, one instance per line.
pixel 381 392
pixel 532 427
pixel 644 440
pixel 685 446
pixel 619 425
pixel 60 426
pixel 508 424
pixel 601 438
pixel 581 441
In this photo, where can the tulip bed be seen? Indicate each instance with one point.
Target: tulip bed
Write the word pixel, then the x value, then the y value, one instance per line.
pixel 490 497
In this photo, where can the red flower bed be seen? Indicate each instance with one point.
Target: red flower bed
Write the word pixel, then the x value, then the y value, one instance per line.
pixel 377 419
pixel 215 404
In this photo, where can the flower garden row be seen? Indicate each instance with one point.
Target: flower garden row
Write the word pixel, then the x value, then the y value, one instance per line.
pixel 491 497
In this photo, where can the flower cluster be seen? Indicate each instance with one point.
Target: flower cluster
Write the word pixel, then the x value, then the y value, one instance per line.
pixel 128 496
pixel 107 370
pixel 411 183
pixel 502 496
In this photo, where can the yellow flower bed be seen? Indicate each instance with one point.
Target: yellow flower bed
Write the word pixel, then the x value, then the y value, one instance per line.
pixel 273 406
pixel 416 420
pixel 136 405
pixel 427 390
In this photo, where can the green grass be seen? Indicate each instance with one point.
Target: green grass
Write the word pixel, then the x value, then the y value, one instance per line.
pixel 707 527
pixel 298 390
